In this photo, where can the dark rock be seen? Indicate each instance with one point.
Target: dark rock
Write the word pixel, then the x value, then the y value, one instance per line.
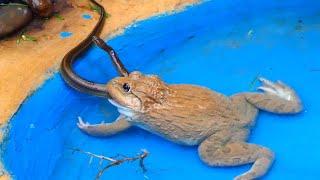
pixel 13 17
pixel 59 5
pixel 43 8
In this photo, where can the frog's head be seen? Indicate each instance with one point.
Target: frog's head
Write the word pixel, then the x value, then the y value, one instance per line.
pixel 136 92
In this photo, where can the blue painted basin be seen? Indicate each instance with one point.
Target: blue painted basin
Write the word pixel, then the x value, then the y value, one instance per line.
pixel 223 45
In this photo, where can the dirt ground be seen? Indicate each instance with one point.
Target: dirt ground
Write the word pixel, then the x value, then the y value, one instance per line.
pixel 24 66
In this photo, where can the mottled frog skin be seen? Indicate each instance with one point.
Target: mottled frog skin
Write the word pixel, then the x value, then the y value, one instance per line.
pixel 194 115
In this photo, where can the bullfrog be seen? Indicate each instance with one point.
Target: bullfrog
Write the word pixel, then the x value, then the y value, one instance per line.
pixel 190 115
pixel 197 116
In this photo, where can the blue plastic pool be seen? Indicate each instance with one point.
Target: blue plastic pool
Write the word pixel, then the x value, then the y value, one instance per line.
pixel 222 44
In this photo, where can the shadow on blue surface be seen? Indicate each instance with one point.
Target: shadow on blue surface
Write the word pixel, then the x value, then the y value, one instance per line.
pixel 223 45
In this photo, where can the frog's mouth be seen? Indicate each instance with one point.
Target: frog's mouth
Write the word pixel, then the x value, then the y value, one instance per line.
pixel 121 109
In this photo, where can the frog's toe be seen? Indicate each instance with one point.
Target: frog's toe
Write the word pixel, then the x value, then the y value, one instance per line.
pixel 282 84
pixel 267 83
pixel 278 88
pixel 81 124
pixel 267 90
pixel 272 85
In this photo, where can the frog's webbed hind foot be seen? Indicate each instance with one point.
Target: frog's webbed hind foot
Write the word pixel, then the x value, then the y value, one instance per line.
pixel 277 97
pixel 104 129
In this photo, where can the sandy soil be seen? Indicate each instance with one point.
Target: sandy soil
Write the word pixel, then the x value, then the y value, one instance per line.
pixel 25 66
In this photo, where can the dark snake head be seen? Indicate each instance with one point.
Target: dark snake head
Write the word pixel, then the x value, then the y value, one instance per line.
pixel 114 57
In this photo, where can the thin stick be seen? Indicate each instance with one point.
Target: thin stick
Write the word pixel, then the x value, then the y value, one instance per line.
pixel 95 155
pixel 116 162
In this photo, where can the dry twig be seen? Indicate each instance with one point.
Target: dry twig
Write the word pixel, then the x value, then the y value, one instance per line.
pixel 116 162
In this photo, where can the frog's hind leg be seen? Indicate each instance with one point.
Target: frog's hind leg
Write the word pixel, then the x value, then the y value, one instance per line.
pixel 247 112
pixel 277 97
pixel 220 149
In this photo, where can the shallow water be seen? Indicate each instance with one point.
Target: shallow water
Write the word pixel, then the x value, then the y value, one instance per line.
pixel 224 45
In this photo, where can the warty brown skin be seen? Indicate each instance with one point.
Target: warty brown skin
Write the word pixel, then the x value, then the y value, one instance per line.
pixel 194 115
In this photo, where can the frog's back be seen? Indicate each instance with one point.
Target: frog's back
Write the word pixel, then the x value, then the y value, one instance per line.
pixel 191 113
pixel 200 104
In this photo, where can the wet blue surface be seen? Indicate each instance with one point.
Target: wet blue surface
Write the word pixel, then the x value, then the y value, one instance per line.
pixel 223 45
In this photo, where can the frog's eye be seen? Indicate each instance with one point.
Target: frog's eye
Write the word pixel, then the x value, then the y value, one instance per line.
pixel 126 87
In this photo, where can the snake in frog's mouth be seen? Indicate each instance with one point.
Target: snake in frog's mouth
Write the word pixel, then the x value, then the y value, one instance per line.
pixel 84 85
pixel 80 83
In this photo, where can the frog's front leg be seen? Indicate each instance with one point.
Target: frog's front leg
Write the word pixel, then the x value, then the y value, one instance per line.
pixel 277 98
pixel 104 129
pixel 225 148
